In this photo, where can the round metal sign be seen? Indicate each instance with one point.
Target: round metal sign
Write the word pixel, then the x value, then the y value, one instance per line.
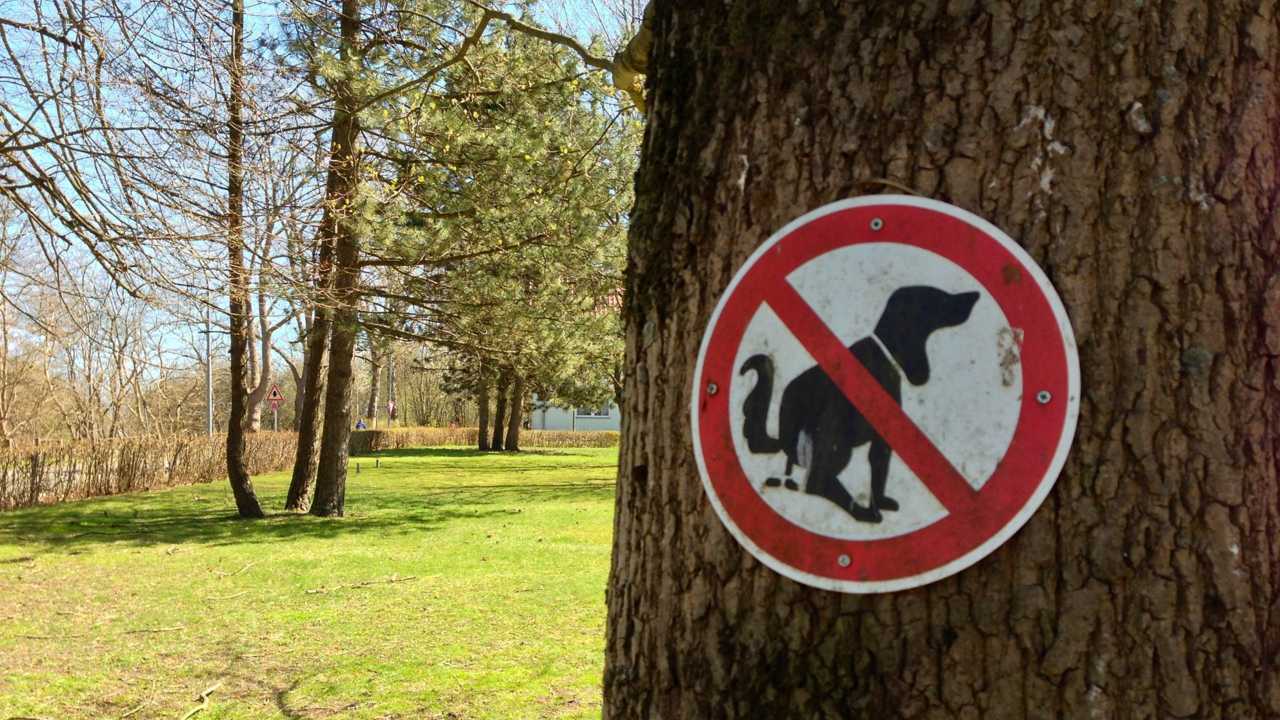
pixel 885 393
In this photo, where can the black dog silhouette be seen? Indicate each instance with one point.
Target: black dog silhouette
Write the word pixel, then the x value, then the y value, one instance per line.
pixel 819 427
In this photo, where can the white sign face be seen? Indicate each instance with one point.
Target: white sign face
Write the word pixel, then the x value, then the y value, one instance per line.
pixel 973 373
pixel 885 394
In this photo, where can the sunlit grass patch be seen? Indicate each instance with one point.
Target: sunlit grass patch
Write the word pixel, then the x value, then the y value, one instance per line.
pixel 460 584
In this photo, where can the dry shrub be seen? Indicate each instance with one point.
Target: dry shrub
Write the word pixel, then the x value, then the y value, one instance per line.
pixel 566 439
pixel 364 442
pixel 57 472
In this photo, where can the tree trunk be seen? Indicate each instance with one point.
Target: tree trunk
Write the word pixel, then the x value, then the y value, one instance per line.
pixel 307 423
pixel 253 411
pixel 1132 149
pixel 393 409
pixel 482 404
pixel 260 373
pixel 500 409
pixel 299 390
pixel 514 412
pixel 375 374
pixel 238 286
pixel 344 171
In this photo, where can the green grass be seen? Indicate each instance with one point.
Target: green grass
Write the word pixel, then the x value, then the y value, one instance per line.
pixel 499 564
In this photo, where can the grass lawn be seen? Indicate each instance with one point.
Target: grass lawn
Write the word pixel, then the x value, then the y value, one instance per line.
pixel 459 585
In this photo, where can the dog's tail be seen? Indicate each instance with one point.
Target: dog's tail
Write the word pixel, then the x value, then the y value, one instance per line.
pixel 756 407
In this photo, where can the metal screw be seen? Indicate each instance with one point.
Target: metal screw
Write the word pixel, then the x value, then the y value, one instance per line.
pixel 1043 397
pixel 712 388
pixel 876 223
pixel 844 560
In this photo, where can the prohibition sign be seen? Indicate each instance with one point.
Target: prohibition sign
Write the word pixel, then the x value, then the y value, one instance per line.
pixel 975 423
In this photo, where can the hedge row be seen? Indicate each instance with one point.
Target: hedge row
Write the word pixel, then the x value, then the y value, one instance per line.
pixel 364 442
pixel 51 473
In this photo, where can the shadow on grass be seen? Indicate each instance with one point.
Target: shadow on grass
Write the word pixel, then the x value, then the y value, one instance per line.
pixel 181 516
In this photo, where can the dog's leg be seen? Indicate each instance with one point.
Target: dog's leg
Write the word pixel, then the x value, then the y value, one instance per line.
pixel 878 457
pixel 823 481
pixel 791 484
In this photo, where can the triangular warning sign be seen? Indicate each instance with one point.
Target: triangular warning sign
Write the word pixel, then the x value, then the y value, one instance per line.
pixel 275 393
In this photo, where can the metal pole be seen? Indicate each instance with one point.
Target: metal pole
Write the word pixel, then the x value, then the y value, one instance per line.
pixel 275 418
pixel 208 372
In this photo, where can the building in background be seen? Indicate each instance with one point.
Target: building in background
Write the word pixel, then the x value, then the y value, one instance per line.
pixel 551 417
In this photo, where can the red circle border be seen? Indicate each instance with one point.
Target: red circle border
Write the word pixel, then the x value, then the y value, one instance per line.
pixel 1027 461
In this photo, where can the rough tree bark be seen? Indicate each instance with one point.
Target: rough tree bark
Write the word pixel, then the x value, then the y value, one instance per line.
pixel 312 393
pixel 500 409
pixel 1132 149
pixel 482 404
pixel 514 414
pixel 344 167
pixel 238 285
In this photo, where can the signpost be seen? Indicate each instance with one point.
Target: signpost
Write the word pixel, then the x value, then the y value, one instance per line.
pixel 885 394
pixel 275 397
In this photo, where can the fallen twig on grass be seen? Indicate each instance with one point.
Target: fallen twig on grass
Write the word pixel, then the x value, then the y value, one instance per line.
pixel 366 583
pixel 135 631
pixel 135 710
pixel 232 596
pixel 204 700
pixel 226 574
pixel 153 630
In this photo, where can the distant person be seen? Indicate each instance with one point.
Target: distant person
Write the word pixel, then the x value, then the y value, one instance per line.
pixel 360 424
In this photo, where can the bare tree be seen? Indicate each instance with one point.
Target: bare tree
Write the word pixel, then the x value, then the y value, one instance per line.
pixel 238 308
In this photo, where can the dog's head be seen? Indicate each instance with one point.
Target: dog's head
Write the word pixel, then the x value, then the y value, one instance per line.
pixel 914 313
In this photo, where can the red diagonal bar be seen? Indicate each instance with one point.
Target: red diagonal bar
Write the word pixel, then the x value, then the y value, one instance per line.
pixel 873 401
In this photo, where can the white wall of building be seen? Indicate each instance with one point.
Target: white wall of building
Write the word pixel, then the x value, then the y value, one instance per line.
pixel 549 417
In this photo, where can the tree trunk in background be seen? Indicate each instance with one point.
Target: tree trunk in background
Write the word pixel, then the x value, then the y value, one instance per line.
pixel 482 405
pixel 500 409
pixel 299 392
pixel 344 169
pixel 515 414
pixel 1132 149
pixel 393 407
pixel 238 286
pixel 305 456
pixel 253 415
pixel 260 374
pixel 375 374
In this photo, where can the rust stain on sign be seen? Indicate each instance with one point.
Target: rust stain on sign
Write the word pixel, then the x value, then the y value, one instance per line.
pixel 1011 274
pixel 1009 342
